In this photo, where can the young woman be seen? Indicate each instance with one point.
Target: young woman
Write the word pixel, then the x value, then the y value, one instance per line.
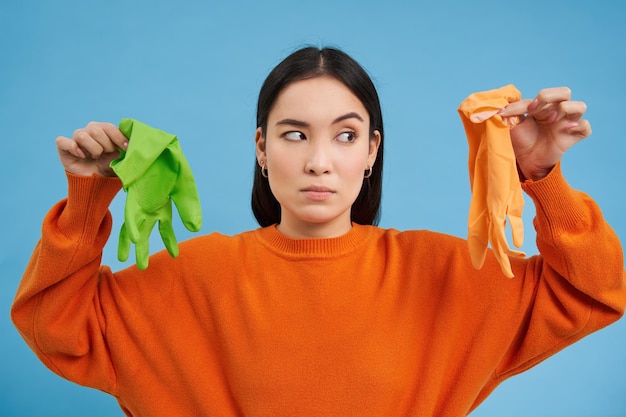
pixel 318 312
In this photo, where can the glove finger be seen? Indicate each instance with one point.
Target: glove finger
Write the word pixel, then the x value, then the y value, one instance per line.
pixel 516 209
pixel 500 246
pixel 142 253
pixel 123 248
pixel 142 244
pixel 189 210
pixel 185 195
pixel 169 238
pixel 477 238
pixel 517 230
pixel 134 223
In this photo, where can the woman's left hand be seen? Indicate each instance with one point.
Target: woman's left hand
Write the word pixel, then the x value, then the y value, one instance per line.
pixel 550 125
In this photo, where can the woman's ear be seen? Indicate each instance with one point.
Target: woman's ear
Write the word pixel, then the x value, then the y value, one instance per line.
pixel 373 151
pixel 259 139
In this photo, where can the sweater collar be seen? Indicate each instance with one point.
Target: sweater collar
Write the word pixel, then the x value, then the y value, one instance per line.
pixel 318 247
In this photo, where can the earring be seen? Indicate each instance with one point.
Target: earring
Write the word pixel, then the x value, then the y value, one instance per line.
pixel 369 172
pixel 263 169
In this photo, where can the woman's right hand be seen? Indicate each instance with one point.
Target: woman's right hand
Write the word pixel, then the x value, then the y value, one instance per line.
pixel 91 149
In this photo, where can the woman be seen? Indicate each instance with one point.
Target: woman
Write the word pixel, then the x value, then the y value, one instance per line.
pixel 318 312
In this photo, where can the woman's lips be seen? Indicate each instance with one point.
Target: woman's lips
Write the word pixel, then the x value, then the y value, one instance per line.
pixel 318 193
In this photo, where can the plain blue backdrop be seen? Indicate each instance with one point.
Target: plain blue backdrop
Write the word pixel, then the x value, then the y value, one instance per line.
pixel 194 68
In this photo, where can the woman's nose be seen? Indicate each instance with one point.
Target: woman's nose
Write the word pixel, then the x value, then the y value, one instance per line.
pixel 318 159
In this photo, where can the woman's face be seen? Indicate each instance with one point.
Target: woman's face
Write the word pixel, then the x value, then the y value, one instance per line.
pixel 316 150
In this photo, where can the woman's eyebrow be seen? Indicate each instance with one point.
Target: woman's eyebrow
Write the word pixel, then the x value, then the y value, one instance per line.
pixel 351 115
pixel 292 122
pixel 300 123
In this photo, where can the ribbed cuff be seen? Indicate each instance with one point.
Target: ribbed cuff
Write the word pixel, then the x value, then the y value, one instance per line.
pixel 87 204
pixel 556 201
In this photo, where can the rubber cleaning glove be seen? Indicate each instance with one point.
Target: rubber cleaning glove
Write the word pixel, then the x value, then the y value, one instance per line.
pixel 494 180
pixel 154 172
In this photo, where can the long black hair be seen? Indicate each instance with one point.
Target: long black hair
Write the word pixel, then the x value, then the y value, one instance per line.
pixel 311 62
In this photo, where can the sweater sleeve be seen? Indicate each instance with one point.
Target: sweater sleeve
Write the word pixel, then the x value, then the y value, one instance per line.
pixel 577 285
pixel 57 309
pixel 574 287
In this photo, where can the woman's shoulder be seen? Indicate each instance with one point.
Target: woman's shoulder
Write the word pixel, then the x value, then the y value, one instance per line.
pixel 421 249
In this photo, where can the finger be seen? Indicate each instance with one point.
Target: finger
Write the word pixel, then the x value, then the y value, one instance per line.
pixel 517 108
pixel 108 136
pixel 100 134
pixel 581 129
pixel 544 108
pixel 67 145
pixel 551 95
pixel 543 112
pixel 116 135
pixel 86 141
pixel 98 138
pixel 571 110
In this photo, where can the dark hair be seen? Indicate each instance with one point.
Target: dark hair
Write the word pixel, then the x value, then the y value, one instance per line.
pixel 311 62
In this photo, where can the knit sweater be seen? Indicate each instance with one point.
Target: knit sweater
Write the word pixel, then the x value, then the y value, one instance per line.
pixel 376 322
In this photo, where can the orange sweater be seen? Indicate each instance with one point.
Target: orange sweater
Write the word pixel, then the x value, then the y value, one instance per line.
pixel 374 323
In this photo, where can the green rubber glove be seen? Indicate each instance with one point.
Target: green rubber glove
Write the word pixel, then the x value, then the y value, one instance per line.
pixel 154 172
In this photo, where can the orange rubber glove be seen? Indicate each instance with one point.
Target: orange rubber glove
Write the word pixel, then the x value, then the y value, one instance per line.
pixel 494 180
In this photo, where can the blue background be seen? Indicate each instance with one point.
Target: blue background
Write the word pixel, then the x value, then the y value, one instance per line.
pixel 194 68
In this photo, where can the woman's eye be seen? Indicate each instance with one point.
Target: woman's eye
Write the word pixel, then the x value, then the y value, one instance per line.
pixel 346 137
pixel 294 135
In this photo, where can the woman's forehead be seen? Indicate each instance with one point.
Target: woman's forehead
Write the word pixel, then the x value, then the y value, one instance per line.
pixel 322 98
